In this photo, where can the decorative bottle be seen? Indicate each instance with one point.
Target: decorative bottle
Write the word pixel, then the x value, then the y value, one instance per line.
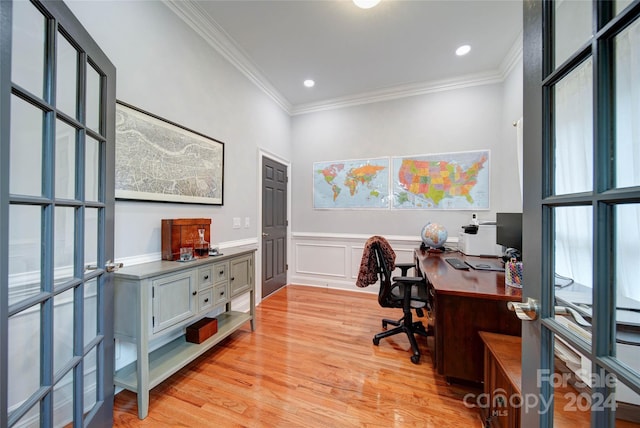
pixel 201 247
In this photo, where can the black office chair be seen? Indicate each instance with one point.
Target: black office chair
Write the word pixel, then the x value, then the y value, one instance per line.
pixel 406 292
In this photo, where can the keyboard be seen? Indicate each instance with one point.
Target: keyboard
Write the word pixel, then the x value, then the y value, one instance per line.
pixel 457 263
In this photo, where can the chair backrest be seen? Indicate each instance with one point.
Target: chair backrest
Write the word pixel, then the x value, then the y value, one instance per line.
pixel 385 297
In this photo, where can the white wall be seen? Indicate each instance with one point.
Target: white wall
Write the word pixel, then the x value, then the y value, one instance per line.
pixel 167 69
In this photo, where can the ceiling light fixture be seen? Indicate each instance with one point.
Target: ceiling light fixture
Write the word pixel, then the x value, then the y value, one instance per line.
pixel 463 50
pixel 366 4
pixel 309 83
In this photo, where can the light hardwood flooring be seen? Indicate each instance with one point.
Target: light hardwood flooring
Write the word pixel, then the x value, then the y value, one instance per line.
pixel 309 363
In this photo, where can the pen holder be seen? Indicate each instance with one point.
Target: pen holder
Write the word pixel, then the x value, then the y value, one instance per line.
pixel 513 273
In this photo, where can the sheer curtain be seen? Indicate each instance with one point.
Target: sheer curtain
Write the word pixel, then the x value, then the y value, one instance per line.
pixel 573 103
pixel 628 158
pixel 574 173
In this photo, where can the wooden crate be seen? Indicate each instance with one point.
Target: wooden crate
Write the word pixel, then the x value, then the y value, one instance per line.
pixel 182 232
pixel 201 330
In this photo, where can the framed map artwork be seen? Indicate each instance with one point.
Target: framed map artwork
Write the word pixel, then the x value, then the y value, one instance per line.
pixel 346 184
pixel 455 181
pixel 158 160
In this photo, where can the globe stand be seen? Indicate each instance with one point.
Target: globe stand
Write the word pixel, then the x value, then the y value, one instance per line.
pixel 424 247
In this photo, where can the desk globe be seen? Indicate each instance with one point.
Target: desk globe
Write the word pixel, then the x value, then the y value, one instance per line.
pixel 434 236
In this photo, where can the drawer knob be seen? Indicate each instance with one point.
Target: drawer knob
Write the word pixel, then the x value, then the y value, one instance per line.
pixel 221 272
pixel 222 293
pixel 232 278
pixel 206 277
pixel 206 300
pixel 194 293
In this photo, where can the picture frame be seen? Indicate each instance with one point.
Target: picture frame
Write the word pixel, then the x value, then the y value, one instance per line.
pixel 160 160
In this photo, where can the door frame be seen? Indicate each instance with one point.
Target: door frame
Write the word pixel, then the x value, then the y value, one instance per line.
pixel 263 153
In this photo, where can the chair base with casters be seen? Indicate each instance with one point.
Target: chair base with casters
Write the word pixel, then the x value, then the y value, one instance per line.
pixel 407 326
pixel 413 298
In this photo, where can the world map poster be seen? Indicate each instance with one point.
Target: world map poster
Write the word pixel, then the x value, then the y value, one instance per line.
pixel 351 184
pixel 442 181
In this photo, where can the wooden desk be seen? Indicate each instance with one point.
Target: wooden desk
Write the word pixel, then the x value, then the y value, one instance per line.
pixel 464 303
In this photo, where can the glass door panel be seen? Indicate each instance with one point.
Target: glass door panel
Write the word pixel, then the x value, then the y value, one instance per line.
pixel 573 137
pixel 92 169
pixel 24 335
pixel 90 311
pixel 66 85
pixel 28 35
pixel 572 28
pixel 627 290
pixel 627 107
pixel 91 232
pixel 65 161
pixel 63 400
pixel 90 378
pixel 63 244
pixel 62 330
pixel 25 256
pixel 27 128
pixel 573 243
pixel 93 103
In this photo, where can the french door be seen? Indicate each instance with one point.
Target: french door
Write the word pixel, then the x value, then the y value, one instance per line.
pixel 582 212
pixel 57 109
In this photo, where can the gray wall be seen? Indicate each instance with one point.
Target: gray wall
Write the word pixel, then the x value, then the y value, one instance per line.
pixel 464 119
pixel 167 69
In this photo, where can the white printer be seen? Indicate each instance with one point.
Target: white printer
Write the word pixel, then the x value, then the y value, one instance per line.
pixel 480 243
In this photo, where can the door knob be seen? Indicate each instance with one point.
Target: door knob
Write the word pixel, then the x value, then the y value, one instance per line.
pixel 109 266
pixel 264 235
pixel 526 311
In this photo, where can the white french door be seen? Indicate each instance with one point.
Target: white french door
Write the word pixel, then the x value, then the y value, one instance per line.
pixel 57 110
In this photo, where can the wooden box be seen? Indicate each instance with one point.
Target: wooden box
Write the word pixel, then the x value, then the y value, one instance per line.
pixel 201 330
pixel 182 232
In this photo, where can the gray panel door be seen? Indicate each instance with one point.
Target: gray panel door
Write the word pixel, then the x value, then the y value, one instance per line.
pixel 274 226
pixel 581 212
pixel 57 110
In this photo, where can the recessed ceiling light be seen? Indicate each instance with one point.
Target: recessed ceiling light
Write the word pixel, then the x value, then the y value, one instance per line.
pixel 463 50
pixel 366 4
pixel 309 83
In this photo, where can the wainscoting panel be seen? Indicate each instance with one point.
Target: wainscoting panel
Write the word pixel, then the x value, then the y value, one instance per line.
pixel 321 259
pixel 333 260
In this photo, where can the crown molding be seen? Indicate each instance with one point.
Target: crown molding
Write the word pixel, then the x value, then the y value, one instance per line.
pixel 207 28
pixel 400 91
pixel 513 57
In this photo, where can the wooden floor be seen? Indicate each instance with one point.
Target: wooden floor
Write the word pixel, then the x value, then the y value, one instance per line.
pixel 310 363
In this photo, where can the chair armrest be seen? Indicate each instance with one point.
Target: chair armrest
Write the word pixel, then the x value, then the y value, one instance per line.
pixel 408 279
pixel 404 267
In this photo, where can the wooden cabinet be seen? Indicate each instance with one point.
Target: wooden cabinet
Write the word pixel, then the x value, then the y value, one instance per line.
pixel 154 302
pixel 502 383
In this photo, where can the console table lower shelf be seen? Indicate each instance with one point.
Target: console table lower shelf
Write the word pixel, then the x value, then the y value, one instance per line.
pixel 171 357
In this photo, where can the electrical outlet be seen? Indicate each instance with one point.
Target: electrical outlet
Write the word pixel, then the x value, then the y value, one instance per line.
pixel 236 222
pixel 247 222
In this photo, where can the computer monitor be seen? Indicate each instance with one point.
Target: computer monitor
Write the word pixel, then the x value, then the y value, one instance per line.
pixel 509 230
